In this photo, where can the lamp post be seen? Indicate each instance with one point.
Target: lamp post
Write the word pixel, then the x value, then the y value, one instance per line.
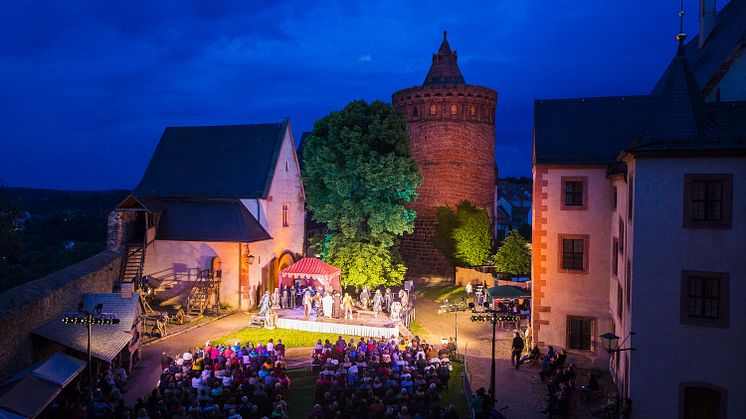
pixel 89 318
pixel 611 344
pixel 492 316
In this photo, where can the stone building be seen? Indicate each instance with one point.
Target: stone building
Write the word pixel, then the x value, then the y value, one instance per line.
pixel 639 214
pixel 452 129
pixel 223 201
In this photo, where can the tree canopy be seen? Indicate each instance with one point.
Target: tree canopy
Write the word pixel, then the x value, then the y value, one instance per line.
pixel 513 256
pixel 464 236
pixel 359 176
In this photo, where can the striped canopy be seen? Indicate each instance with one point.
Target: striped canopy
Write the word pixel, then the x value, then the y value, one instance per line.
pixel 312 269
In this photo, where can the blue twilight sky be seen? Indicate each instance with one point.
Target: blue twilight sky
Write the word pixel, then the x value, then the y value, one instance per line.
pixel 86 87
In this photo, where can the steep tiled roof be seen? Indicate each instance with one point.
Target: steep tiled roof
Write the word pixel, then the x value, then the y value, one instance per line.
pixel 444 69
pixel 106 340
pixel 723 43
pixel 232 161
pixel 674 117
pixel 219 221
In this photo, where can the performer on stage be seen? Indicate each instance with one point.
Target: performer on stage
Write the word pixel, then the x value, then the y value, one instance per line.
pixel 276 299
pixel 347 306
pixel 395 309
pixel 364 297
pixel 337 305
pixel 317 303
pixel 377 303
pixel 404 297
pixel 388 299
pixel 292 296
pixel 327 302
pixel 264 305
pixel 307 301
pixel 285 296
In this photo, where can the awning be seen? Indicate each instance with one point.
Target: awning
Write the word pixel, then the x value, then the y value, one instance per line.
pixel 505 292
pixel 36 389
pixel 209 221
pixel 312 269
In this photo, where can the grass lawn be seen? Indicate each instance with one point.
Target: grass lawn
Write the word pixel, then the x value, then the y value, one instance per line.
pixel 302 391
pixel 442 292
pixel 416 328
pixel 291 338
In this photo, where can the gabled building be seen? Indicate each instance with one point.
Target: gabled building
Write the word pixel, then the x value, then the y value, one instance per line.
pixel 224 203
pixel 639 216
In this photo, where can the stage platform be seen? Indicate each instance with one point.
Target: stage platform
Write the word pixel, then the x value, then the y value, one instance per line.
pixel 364 325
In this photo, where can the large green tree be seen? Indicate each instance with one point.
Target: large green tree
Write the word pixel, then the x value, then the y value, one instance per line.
pixel 464 236
pixel 513 256
pixel 359 177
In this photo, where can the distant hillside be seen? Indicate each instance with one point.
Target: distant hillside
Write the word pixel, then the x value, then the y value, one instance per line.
pixel 51 229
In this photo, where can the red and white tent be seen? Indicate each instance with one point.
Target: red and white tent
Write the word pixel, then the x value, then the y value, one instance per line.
pixel 314 272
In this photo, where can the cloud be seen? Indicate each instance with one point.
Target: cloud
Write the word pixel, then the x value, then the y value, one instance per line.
pixel 366 57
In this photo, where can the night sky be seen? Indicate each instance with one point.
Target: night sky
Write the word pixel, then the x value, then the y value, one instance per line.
pixel 86 88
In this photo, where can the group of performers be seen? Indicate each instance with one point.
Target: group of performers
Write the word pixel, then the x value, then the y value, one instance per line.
pixel 334 303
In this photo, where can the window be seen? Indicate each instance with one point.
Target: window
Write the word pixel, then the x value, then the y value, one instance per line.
pixel 573 253
pixel 414 111
pixel 708 201
pixel 433 109
pixel 704 298
pixel 473 110
pixel 630 188
pixel 285 210
pixel 621 235
pixel 700 400
pixel 613 197
pixel 615 258
pixel 579 333
pixel 619 300
pixel 287 166
pixel 628 282
pixel 574 193
pixel 454 109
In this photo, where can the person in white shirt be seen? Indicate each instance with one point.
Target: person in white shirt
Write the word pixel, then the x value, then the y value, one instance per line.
pixel 196 381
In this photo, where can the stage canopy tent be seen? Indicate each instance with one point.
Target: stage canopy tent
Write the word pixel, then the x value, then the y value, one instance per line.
pixel 314 271
pixel 507 292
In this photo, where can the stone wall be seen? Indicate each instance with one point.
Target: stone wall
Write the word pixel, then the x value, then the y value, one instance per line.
pixel 27 307
pixel 452 132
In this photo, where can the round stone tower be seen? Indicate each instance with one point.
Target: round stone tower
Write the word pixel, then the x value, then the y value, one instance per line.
pixel 451 125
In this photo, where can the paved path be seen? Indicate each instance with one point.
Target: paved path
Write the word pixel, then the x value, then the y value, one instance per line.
pixel 147 372
pixel 517 389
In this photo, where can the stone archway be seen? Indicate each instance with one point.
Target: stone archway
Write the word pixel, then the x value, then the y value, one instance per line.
pixel 286 259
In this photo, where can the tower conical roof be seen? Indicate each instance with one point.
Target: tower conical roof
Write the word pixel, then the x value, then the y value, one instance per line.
pixel 681 104
pixel 444 69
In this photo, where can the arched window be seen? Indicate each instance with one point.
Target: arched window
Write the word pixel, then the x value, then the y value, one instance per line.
pixel 454 109
pixel 473 110
pixel 433 109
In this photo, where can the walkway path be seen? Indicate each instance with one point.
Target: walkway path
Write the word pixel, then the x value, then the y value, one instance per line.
pixel 147 372
pixel 516 389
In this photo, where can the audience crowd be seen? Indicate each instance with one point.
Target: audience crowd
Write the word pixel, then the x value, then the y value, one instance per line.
pixel 220 381
pixel 381 378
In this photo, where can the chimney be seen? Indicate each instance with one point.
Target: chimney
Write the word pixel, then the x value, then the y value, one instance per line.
pixel 707 12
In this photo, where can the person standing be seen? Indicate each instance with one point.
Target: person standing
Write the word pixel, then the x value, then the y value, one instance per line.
pixel 292 296
pixel 388 299
pixel 307 301
pixel 337 306
pixel 468 290
pixel 377 303
pixel 517 349
pixel 327 302
pixel 347 306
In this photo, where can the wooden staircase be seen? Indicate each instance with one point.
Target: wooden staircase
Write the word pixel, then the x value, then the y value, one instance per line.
pixel 201 293
pixel 133 260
